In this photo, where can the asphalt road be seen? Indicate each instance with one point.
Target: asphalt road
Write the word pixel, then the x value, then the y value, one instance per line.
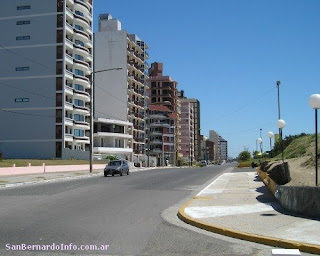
pixel 133 215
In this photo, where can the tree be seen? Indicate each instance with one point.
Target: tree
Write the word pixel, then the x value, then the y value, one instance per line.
pixel 244 155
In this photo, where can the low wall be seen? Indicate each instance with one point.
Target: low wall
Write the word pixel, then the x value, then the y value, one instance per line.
pixel 302 200
pixel 50 168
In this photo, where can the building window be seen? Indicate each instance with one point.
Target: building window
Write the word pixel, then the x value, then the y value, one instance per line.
pixel 79 87
pixel 79 57
pixel 79 13
pixel 22 38
pixel 21 100
pixel 23 22
pixel 78 42
pixel 79 103
pixel 78 133
pixel 79 118
pixel 22 68
pixel 79 72
pixel 79 27
pixel 23 7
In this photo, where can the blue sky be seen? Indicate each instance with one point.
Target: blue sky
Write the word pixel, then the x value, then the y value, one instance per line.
pixel 229 54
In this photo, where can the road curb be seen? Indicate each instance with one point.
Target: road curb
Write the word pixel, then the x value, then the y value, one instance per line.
pixel 283 243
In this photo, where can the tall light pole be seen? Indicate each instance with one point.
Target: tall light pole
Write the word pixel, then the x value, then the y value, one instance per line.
pixel 261 144
pixel 259 140
pixel 314 102
pixel 270 135
pixel 91 112
pixel 281 124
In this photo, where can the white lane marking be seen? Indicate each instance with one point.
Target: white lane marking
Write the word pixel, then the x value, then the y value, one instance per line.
pixel 218 211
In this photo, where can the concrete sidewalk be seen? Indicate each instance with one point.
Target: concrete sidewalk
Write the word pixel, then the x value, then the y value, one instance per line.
pixel 239 205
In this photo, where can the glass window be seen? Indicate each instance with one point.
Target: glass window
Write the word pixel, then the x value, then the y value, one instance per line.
pixel 79 72
pixel 79 13
pixel 79 102
pixel 78 133
pixel 78 57
pixel 22 68
pixel 79 87
pixel 23 7
pixel 23 22
pixel 78 42
pixel 21 99
pixel 79 118
pixel 23 38
pixel 78 27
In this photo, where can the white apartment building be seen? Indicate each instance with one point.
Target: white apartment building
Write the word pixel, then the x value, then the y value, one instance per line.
pixel 215 138
pixel 46 63
pixel 112 137
pixel 121 94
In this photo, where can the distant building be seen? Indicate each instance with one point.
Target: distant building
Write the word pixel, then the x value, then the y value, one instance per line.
pixel 223 149
pixel 196 123
pixel 161 135
pixel 163 93
pixel 187 131
pixel 215 138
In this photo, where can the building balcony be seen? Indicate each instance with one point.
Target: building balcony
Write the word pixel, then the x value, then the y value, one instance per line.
pixel 81 111
pixel 68 137
pixel 155 142
pixel 82 6
pixel 68 90
pixel 159 125
pixel 68 59
pixel 81 125
pixel 68 106
pixel 157 116
pixel 68 122
pixel 69 44
pixel 112 135
pixel 69 28
pixel 69 74
pixel 70 2
pixel 112 150
pixel 154 133
pixel 84 139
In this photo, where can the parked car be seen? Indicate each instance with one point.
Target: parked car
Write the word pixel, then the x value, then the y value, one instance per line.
pixel 117 166
pixel 203 163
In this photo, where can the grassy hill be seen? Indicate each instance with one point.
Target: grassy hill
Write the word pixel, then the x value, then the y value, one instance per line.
pixel 302 146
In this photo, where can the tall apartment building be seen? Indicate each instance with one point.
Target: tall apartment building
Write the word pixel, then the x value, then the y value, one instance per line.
pixel 197 136
pixel 221 146
pixel 215 138
pixel 207 147
pixel 187 131
pixel 223 149
pixel 163 92
pixel 121 94
pixel 46 63
pixel 161 134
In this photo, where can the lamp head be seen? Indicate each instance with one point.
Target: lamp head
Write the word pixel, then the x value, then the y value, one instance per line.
pixel 281 123
pixel 314 101
pixel 270 135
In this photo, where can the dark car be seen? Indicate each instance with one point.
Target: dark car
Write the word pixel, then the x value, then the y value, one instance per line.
pixel 117 166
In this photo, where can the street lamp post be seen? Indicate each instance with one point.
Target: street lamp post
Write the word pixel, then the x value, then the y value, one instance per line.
pixel 314 102
pixel 91 112
pixel 270 135
pixel 259 140
pixel 281 124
